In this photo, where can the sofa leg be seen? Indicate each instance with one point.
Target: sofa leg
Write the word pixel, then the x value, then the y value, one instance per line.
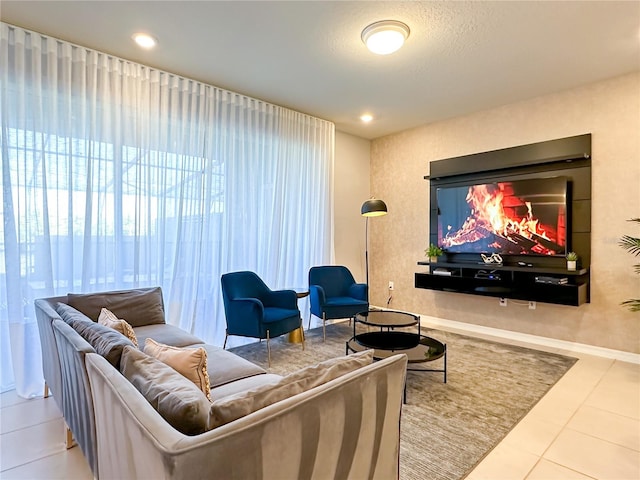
pixel 46 390
pixel 224 345
pixel 302 333
pixel 68 442
pixel 268 350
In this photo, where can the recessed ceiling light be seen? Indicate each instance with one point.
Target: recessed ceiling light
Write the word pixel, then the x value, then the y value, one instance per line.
pixel 385 37
pixel 144 40
pixel 366 118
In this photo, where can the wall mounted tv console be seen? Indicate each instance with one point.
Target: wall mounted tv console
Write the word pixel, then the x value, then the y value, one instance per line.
pixel 529 204
pixel 547 285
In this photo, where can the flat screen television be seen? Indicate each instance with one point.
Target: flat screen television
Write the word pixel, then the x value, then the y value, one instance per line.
pixel 521 217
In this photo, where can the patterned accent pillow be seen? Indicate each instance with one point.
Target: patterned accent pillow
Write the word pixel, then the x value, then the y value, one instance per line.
pixel 232 407
pixel 189 361
pixel 108 319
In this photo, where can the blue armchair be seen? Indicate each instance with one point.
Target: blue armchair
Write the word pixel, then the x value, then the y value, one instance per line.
pixel 335 294
pixel 254 310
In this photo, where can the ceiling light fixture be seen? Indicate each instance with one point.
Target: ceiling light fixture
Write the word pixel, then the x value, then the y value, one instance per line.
pixel 144 40
pixel 385 37
pixel 366 118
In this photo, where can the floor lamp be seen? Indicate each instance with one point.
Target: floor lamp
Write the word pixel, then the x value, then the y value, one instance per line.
pixel 371 208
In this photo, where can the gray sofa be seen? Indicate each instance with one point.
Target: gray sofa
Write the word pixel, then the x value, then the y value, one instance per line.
pixel 346 427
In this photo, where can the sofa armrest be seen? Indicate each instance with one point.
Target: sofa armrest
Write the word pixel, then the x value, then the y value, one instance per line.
pixel 317 297
pixel 359 291
pixel 241 315
pixel 286 299
pixel 358 413
pixel 248 306
pixel 45 315
pixel 77 406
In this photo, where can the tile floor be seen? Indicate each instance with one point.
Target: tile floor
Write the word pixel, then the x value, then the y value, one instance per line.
pixel 586 427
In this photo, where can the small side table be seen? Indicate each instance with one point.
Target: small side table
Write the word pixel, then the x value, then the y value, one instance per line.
pixel 297 335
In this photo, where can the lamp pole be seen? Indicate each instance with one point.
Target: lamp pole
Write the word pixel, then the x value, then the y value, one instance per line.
pixel 371 208
pixel 366 249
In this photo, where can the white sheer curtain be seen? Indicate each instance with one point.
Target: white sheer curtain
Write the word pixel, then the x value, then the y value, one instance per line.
pixel 116 175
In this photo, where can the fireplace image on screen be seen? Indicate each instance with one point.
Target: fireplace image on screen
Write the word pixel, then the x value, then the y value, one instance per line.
pixel 522 217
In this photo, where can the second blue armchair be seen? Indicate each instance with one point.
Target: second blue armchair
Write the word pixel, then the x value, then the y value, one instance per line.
pixel 335 294
pixel 254 310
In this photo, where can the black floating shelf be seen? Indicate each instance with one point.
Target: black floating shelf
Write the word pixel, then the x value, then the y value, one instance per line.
pixel 518 283
pixel 506 268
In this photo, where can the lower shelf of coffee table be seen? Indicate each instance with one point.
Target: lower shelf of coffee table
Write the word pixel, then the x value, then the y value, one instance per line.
pixel 418 348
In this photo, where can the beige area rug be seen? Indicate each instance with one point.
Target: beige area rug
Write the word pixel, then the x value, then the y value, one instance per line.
pixel 446 429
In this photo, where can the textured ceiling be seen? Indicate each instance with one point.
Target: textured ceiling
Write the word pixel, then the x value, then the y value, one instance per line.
pixel 460 57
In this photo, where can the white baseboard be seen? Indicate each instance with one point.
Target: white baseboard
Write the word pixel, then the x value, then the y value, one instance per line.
pixel 534 340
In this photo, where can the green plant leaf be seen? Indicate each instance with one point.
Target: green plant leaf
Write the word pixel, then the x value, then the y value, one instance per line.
pixel 634 304
pixel 632 244
pixel 433 251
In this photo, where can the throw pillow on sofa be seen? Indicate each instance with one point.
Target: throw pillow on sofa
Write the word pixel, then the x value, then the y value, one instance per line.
pixel 175 398
pixel 141 306
pixel 189 362
pixel 106 341
pixel 235 406
pixel 108 319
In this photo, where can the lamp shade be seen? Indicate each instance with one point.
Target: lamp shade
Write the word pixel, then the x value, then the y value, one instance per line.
pixel 373 208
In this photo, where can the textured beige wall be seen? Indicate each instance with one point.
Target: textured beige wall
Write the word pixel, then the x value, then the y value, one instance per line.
pixel 610 111
pixel 351 189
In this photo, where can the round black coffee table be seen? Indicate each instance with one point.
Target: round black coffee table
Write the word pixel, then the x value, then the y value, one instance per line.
pixel 388 341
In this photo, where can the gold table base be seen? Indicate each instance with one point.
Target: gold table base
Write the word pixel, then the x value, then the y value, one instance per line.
pixel 296 336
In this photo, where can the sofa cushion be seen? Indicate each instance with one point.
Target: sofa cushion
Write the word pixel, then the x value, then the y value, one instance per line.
pixel 187 361
pixel 108 319
pixel 142 306
pixel 175 398
pixel 235 406
pixel 226 367
pixel 106 341
pixel 244 384
pixel 167 334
